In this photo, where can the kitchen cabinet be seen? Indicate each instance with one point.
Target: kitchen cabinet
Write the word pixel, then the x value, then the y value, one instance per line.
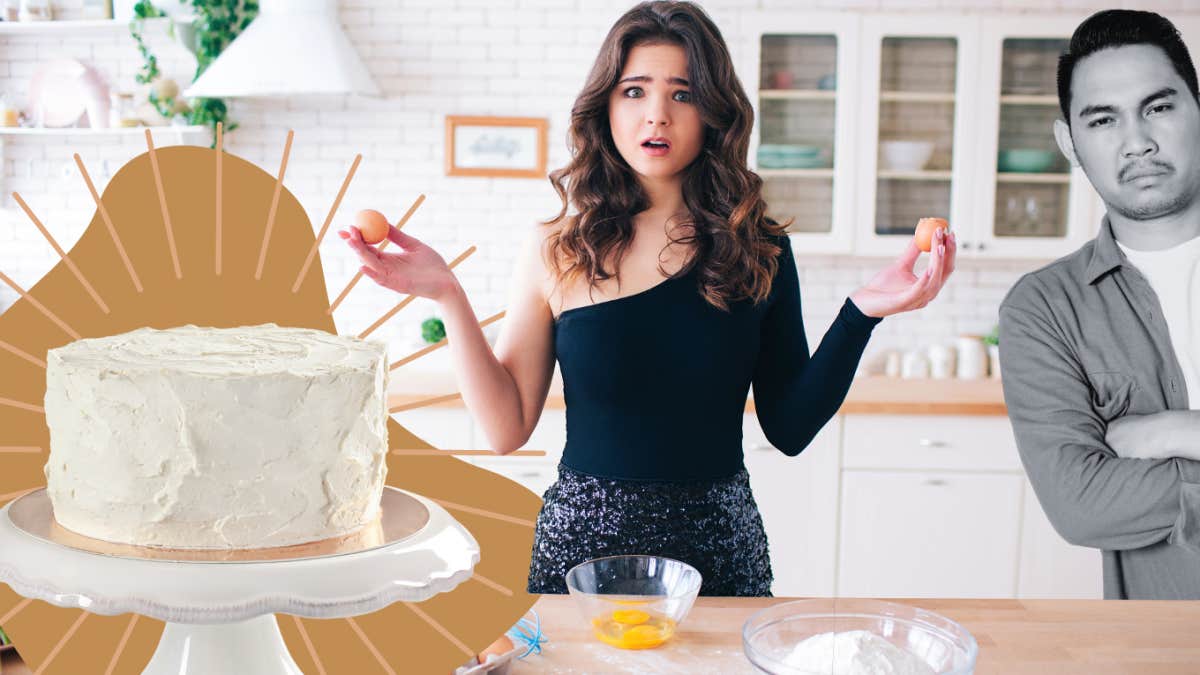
pixel 1050 567
pixel 883 505
pixel 932 115
pixel 797 497
pixel 802 74
pixel 1029 202
pixel 915 120
pixel 929 534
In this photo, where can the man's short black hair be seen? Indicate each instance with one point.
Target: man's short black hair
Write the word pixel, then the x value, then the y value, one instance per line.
pixel 1117 28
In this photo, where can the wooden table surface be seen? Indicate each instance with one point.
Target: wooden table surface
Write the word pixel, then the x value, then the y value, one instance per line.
pixel 1042 637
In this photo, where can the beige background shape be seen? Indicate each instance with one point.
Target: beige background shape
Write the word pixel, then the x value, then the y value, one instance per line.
pixel 475 612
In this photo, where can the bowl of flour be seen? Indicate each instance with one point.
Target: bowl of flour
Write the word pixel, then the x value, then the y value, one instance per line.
pixel 852 636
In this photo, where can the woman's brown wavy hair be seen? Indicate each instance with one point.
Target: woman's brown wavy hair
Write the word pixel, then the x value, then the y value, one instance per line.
pixel 729 227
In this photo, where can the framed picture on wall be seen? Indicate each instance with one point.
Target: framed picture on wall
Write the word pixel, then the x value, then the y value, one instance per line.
pixel 502 147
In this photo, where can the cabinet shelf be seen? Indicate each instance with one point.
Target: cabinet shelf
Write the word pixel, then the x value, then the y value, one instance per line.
pixel 1029 99
pixel 796 173
pixel 914 175
pixel 917 96
pixel 798 94
pixel 1033 178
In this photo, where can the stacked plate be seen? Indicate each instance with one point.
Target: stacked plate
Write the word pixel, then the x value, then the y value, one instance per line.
pixel 786 156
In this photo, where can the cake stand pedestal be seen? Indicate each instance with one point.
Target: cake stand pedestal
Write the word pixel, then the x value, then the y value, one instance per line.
pixel 220 605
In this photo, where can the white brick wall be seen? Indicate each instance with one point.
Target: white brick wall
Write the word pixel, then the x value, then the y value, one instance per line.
pixel 433 58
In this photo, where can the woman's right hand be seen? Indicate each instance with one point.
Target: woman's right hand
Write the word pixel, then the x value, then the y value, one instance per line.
pixel 416 269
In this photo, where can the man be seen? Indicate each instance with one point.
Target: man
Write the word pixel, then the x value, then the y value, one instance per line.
pixel 1101 349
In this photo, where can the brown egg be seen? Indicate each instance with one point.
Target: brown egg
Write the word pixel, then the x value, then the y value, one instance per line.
pixel 372 224
pixel 925 229
pixel 500 647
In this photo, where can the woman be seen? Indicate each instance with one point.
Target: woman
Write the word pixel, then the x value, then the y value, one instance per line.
pixel 664 292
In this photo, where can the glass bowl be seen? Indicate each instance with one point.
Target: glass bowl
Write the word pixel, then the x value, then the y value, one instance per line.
pixel 770 636
pixel 633 601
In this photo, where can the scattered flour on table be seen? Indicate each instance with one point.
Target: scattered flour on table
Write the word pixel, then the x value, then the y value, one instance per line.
pixel 855 652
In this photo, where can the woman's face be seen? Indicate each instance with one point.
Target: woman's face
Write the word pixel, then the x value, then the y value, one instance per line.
pixel 655 125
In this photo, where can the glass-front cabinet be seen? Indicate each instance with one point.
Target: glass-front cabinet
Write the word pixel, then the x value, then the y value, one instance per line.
pixel 867 122
pixel 800 76
pixel 1030 202
pixel 915 159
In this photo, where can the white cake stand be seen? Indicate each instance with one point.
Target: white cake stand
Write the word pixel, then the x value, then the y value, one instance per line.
pixel 220 606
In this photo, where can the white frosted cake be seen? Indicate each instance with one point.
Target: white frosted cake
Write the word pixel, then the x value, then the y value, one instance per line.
pixel 192 437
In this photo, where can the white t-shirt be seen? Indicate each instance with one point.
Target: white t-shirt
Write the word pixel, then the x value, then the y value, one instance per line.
pixel 1174 274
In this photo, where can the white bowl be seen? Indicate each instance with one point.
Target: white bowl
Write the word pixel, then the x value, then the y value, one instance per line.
pixel 905 155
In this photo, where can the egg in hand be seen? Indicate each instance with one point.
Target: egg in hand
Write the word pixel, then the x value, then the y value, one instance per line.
pixel 372 224
pixel 925 229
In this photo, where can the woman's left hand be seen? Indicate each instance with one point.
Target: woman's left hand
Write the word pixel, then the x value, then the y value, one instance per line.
pixel 896 289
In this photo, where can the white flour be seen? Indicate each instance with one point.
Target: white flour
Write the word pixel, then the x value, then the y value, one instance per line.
pixel 855 652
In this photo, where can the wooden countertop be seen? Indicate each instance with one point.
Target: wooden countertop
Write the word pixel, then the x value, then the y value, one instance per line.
pixel 1038 637
pixel 868 395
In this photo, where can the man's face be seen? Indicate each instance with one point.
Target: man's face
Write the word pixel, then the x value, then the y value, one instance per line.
pixel 1135 130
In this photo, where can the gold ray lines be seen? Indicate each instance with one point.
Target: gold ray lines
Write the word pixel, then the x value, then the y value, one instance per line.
pixel 370 646
pixel 12 613
pixel 424 402
pixel 112 231
pixel 312 651
pixel 13 495
pixel 39 306
pixel 441 629
pixel 22 406
pixel 15 351
pixel 20 449
pixel 262 252
pixel 439 452
pixel 162 204
pixel 441 343
pixel 61 254
pixel 404 303
pixel 484 512
pixel 112 664
pixel 312 252
pixel 220 153
pixel 491 584
pixel 400 225
pixel 61 643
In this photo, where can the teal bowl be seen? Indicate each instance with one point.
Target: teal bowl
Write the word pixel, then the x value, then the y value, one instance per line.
pixel 1026 160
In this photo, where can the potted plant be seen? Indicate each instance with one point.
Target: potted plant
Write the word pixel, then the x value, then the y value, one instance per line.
pixel 992 340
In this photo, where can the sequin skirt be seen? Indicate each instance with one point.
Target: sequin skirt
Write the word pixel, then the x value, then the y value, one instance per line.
pixel 713 526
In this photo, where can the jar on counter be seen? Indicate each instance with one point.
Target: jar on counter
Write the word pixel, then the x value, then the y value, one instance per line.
pixel 10 115
pixel 915 365
pixel 972 357
pixel 942 361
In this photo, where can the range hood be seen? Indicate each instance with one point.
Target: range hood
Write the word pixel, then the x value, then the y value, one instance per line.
pixel 291 47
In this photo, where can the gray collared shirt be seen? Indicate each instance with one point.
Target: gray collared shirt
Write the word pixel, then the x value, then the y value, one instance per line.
pixel 1082 342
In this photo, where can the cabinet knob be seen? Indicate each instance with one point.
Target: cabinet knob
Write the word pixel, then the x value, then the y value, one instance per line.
pixel 935 481
pixel 762 447
pixel 965 245
pixel 931 443
pixel 529 474
pixel 982 245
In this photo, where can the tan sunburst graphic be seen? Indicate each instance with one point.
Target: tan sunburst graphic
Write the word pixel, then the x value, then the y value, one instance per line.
pixel 183 235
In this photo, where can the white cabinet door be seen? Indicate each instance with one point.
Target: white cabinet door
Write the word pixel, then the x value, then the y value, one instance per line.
pixel 915 129
pixel 1029 202
pixel 929 534
pixel 797 497
pixel 800 70
pixel 1050 567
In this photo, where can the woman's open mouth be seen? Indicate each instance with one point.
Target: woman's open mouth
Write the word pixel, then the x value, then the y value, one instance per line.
pixel 656 147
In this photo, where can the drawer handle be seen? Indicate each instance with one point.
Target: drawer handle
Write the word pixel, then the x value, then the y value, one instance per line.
pixel 762 447
pixel 530 474
pixel 935 481
pixel 931 443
